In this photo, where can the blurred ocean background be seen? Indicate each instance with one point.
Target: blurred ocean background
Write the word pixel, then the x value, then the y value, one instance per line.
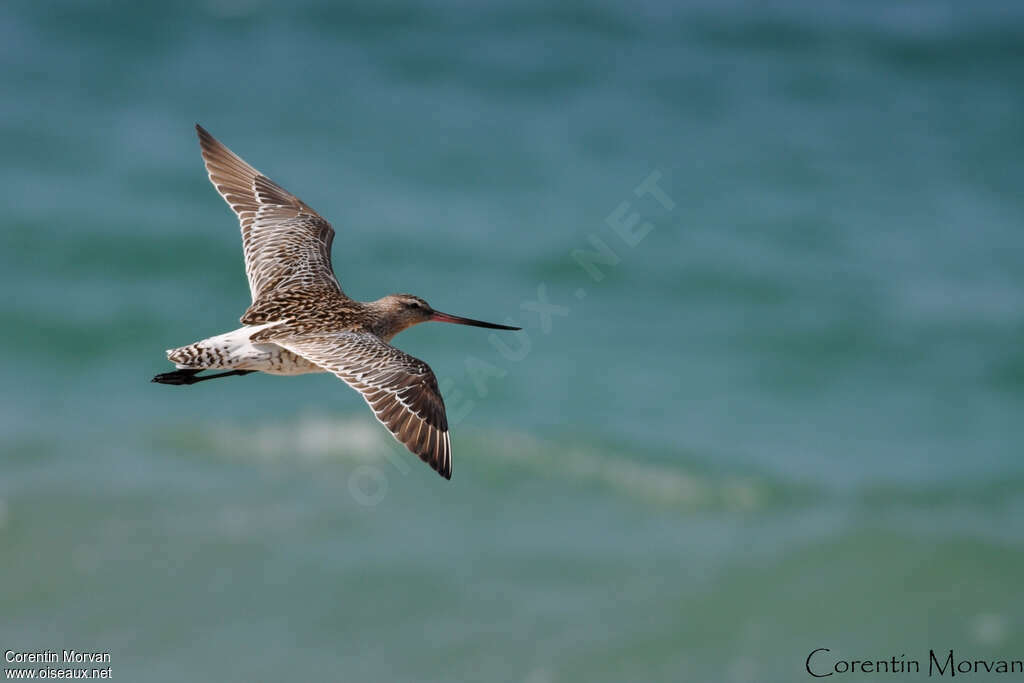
pixel 791 417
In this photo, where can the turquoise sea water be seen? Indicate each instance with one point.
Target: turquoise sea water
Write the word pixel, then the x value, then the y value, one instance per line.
pixel 789 417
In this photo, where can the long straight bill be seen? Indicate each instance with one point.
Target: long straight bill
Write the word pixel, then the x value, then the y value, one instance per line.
pixel 445 318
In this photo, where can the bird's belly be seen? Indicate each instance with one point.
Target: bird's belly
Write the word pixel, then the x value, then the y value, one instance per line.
pixel 274 360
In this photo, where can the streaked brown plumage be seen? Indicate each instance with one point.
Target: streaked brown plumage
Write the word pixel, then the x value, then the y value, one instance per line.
pixel 301 321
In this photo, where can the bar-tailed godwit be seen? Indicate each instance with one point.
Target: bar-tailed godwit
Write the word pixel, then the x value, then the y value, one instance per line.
pixel 301 321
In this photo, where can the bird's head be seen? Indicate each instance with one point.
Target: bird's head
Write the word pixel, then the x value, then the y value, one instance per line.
pixel 401 311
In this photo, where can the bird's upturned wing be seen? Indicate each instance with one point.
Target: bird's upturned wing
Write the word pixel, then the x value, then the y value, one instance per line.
pixel 401 390
pixel 287 244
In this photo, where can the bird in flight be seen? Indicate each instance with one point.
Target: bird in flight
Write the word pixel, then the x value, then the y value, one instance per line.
pixel 300 320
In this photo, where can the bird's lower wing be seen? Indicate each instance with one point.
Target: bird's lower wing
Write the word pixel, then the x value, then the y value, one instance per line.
pixel 401 390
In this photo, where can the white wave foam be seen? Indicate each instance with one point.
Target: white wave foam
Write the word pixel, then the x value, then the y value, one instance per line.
pixel 655 483
pixel 352 438
pixel 311 437
pixel 663 484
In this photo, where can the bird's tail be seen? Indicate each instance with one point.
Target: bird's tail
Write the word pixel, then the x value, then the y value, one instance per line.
pixel 197 356
pixel 228 351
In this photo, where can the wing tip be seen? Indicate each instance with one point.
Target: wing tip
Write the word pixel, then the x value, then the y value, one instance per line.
pixel 208 146
pixel 440 460
pixel 213 150
pixel 444 462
